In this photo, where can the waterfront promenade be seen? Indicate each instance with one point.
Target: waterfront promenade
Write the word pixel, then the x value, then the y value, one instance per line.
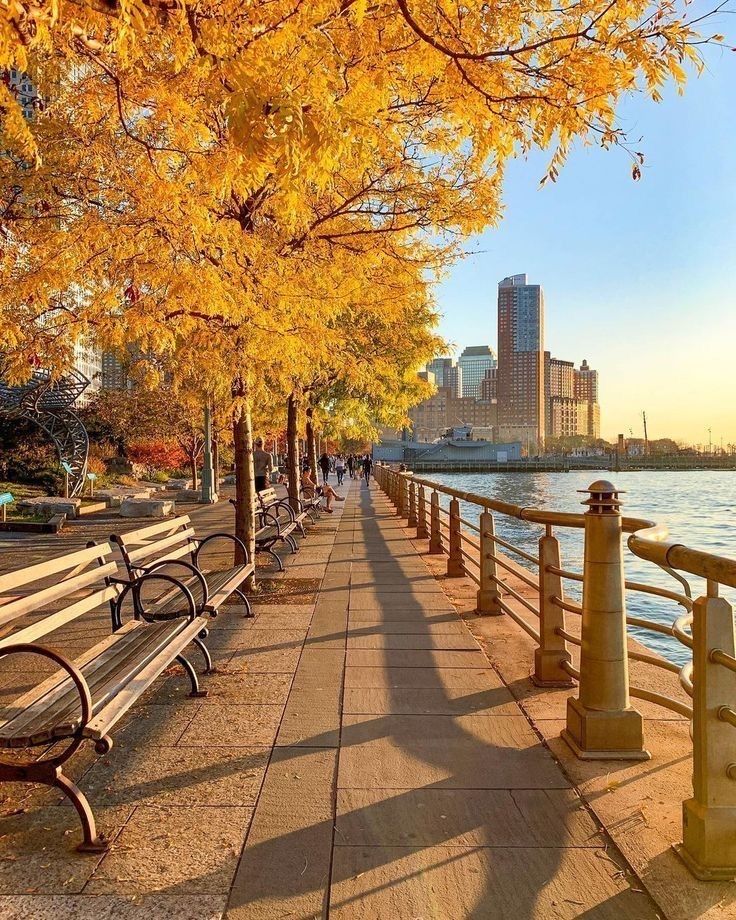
pixel 358 756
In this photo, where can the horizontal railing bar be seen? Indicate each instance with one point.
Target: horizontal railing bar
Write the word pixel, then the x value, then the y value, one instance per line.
pixel 526 579
pixel 471 542
pixel 519 598
pixel 650 625
pixel 568 636
pixel 566 605
pixel 718 656
pixel 659 592
pixel 686 678
pixel 726 714
pixel 653 660
pixel 678 629
pixel 514 549
pixel 563 573
pixel 475 562
pixel 443 510
pixel 472 576
pixel 518 619
pixel 570 669
pixel 470 525
pixel 658 699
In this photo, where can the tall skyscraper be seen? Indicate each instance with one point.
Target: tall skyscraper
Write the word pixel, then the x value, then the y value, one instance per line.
pixel 521 377
pixel 447 374
pixel 474 362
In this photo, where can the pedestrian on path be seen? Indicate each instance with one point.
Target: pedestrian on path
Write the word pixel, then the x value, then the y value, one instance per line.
pixel 340 468
pixel 351 466
pixel 367 467
pixel 324 465
pixel 262 465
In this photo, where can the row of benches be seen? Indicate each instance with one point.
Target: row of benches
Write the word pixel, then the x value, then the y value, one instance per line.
pixel 166 614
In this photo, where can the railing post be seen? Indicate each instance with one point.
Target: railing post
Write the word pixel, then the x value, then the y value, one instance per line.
pixel 401 496
pixel 601 723
pixel 487 597
pixel 455 557
pixel 552 649
pixel 709 817
pixel 422 532
pixel 435 533
pixel 412 515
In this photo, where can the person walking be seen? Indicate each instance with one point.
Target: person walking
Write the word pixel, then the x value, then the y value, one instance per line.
pixel 367 467
pixel 262 465
pixel 340 468
pixel 351 466
pixel 324 465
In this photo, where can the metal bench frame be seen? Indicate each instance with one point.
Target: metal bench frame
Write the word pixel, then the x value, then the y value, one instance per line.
pixel 167 543
pixel 75 572
pixel 268 500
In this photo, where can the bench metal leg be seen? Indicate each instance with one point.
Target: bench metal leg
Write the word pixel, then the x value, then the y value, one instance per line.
pixel 292 543
pixel 277 558
pixel 92 843
pixel 208 668
pixel 189 668
pixel 300 526
pixel 246 602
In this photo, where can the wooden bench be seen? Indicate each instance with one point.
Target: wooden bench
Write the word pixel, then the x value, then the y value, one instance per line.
pixel 312 504
pixel 268 500
pixel 166 545
pixel 88 696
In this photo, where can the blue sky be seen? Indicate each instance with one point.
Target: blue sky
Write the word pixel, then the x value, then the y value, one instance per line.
pixel 639 277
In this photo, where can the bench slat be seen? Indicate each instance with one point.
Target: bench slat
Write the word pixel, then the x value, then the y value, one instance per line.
pixel 57 715
pixel 52 683
pixel 34 573
pixel 133 537
pixel 56 620
pixel 156 546
pixel 38 599
pixel 112 713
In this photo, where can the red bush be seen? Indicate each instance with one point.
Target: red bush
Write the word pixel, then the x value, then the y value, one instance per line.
pixel 157 455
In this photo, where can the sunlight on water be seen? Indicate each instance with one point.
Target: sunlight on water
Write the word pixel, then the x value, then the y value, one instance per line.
pixel 699 508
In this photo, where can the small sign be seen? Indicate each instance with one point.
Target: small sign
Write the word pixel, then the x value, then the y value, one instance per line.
pixel 6 498
pixel 91 476
pixel 67 467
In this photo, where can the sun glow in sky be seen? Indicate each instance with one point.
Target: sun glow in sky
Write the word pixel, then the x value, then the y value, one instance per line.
pixel 639 277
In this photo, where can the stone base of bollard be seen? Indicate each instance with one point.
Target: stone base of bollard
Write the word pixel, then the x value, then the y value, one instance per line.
pixel 486 603
pixel 547 670
pixel 595 735
pixel 708 836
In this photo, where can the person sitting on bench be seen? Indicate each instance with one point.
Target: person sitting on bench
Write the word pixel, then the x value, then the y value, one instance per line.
pixel 310 489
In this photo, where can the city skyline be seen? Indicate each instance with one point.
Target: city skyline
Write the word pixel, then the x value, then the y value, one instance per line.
pixel 653 262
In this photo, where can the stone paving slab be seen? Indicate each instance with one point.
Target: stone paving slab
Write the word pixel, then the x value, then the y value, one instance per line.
pixel 441 701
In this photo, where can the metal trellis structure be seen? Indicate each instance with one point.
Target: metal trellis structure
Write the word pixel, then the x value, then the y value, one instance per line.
pixel 49 404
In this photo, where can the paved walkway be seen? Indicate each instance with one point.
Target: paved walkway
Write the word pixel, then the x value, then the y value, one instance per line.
pixel 416 787
pixel 357 757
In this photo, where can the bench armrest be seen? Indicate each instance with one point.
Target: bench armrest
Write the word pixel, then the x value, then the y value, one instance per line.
pixel 223 536
pixel 85 697
pixel 190 566
pixel 140 611
pixel 284 503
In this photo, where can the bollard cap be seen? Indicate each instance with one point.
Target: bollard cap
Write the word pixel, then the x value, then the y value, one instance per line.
pixel 604 497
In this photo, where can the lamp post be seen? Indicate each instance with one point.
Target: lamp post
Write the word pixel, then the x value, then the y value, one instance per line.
pixel 209 486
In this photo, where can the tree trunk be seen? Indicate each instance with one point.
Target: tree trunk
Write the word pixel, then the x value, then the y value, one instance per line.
pixel 193 469
pixel 245 488
pixel 292 449
pixel 311 444
pixel 216 461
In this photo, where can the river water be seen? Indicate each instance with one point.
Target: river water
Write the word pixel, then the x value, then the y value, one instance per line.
pixel 699 509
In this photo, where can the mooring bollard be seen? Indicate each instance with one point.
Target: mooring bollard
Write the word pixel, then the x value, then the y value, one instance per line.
pixel 601 723
pixel 487 596
pixel 709 817
pixel 455 567
pixel 435 533
pixel 422 532
pixel 552 650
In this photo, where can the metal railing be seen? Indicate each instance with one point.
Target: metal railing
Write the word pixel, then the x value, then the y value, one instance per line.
pixel 601 723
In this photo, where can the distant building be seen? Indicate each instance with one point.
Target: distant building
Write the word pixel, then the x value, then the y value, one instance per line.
pixel 489 384
pixel 433 416
pixel 87 360
pixel 521 383
pixel 559 382
pixel 115 375
pixel 447 374
pixel 474 362
pixel 22 89
pixel 586 383
pixel 572 399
